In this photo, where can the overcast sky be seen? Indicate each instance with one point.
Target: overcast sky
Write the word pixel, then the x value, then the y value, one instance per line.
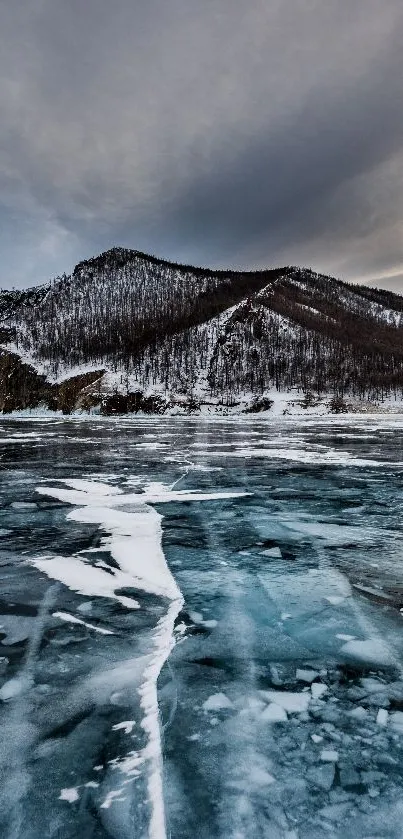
pixel 236 133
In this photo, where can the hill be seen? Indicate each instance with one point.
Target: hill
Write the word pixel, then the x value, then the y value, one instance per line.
pixel 129 331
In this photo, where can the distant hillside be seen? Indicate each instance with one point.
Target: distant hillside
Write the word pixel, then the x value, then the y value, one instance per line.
pixel 147 329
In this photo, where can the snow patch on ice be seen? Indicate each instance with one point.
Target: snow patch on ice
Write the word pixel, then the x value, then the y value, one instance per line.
pixel 69 794
pixel 126 726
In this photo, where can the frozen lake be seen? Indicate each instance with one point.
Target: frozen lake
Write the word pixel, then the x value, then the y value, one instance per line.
pixel 201 628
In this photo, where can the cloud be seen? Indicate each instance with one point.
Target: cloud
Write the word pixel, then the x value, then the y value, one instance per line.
pixel 233 132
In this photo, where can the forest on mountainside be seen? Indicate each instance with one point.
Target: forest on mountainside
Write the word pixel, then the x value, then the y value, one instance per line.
pixel 209 334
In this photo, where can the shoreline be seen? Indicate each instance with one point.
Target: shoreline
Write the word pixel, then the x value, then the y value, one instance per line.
pixel 215 415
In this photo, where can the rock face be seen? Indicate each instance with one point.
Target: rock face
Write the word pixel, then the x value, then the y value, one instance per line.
pixel 163 332
pixel 78 392
pixel 20 385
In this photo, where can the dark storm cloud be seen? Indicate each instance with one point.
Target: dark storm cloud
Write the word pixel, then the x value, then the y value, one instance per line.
pixel 238 132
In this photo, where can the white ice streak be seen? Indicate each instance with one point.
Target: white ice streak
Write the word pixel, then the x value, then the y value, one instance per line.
pixel 113 795
pixel 135 543
pixel 164 641
pixel 152 495
pixel 67 618
pixel 92 487
pixel 126 726
pixel 315 456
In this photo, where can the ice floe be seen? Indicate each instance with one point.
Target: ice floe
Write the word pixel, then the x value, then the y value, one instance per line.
pixel 293 703
pixel 382 717
pixel 69 794
pixel 217 702
pixel 318 690
pixel 329 756
pixel 306 675
pixel 274 713
pixel 374 651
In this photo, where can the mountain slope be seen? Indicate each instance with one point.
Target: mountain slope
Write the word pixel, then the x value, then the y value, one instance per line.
pixel 190 334
pixel 113 305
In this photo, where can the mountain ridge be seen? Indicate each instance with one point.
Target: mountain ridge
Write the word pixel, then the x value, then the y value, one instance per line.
pixel 184 334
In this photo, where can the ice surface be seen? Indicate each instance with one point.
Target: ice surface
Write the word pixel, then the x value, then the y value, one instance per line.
pixel 185 677
pixel 331 457
pixel 135 544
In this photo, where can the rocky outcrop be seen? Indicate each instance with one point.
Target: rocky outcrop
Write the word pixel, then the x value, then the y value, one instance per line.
pixel 78 393
pixel 21 388
pixel 20 385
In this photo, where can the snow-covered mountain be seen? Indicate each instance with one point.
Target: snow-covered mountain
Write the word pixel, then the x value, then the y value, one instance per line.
pixel 129 331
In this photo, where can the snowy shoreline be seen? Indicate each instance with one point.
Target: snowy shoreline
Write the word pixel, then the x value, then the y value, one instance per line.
pixel 281 410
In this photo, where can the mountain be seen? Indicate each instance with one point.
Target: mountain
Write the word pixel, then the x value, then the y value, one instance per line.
pixel 128 331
